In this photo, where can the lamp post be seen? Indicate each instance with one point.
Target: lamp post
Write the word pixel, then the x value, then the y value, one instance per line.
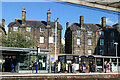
pixel 55 40
pixel 116 54
pixel 38 51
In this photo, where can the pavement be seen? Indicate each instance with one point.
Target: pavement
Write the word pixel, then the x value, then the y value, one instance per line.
pixel 8 74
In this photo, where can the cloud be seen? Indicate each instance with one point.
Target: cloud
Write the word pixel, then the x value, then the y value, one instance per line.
pixel 109 21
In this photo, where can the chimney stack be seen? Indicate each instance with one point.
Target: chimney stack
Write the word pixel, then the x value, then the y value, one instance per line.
pixel 103 21
pixel 15 19
pixel 116 26
pixel 67 25
pixel 48 15
pixel 23 16
pixel 81 20
pixel 3 22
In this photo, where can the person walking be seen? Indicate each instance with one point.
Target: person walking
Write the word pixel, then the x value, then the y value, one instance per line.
pixel 108 67
pixel 73 68
pixel 105 66
pixel 90 67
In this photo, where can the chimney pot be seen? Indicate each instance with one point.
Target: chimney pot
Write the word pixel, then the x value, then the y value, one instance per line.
pixel 67 24
pixel 48 15
pixel 3 22
pixel 23 16
pixel 15 19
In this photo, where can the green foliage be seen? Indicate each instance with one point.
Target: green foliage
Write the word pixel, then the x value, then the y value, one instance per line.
pixel 62 48
pixel 18 39
pixel 63 65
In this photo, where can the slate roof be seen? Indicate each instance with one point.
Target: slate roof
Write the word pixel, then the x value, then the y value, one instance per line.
pixel 3 29
pixel 86 26
pixel 33 23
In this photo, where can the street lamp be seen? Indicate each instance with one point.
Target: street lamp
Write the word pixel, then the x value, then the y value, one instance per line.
pixel 116 54
pixel 56 20
pixel 38 51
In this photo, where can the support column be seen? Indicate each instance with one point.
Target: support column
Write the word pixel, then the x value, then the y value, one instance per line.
pixel 95 64
pixel 103 64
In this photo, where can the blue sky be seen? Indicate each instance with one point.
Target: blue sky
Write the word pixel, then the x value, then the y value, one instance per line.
pixel 65 12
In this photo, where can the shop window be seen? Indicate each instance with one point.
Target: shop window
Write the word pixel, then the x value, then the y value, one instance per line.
pixel 112 43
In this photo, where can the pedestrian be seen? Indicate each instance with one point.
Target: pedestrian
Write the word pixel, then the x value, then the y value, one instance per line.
pixel 108 67
pixel 105 66
pixel 59 66
pixel 73 68
pixel 90 67
pixel 12 68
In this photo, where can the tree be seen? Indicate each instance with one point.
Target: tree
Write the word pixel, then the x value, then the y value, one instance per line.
pixel 62 48
pixel 18 39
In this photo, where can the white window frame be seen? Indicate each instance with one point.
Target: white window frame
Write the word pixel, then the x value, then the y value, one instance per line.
pixel 101 52
pixel 15 28
pixel 78 41
pixel 78 32
pixel 27 38
pixel 101 33
pixel 89 32
pixel 28 29
pixel 89 52
pixel 101 41
pixel 89 41
pixel 52 39
pixel 41 29
pixel 42 39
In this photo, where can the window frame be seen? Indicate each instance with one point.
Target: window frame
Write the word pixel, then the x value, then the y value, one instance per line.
pixel 90 42
pixel 41 29
pixel 89 53
pixel 89 33
pixel 15 29
pixel 28 29
pixel 102 52
pixel 43 41
pixel 101 42
pixel 78 32
pixel 53 30
pixel 78 42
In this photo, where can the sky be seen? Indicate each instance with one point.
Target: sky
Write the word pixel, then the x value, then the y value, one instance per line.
pixel 65 12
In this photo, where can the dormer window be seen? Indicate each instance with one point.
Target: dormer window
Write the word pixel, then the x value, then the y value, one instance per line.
pixel 15 28
pixel 42 29
pixel 28 29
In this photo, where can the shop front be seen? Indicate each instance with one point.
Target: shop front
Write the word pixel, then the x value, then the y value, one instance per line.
pixel 24 60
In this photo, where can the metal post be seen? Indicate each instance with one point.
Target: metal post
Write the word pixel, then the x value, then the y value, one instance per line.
pixel 55 40
pixel 38 51
pixel 103 64
pixel 116 54
pixel 50 64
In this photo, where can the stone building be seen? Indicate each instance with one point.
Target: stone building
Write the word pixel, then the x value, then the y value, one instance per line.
pixel 41 31
pixel 91 39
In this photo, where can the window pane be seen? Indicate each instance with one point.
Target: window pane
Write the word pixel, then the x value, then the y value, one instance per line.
pixel 112 43
pixel 78 41
pixel 28 29
pixel 78 32
pixel 112 34
pixel 89 32
pixel 50 39
pixel 41 39
pixel 101 52
pixel 102 33
pixel 89 52
pixel 42 29
pixel 89 41
pixel 53 30
pixel 15 28
pixel 101 41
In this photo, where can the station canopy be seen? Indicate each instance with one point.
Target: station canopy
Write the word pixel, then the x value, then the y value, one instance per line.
pixel 111 5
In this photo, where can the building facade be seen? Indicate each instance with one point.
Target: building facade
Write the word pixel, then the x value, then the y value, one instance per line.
pixel 43 32
pixel 91 39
